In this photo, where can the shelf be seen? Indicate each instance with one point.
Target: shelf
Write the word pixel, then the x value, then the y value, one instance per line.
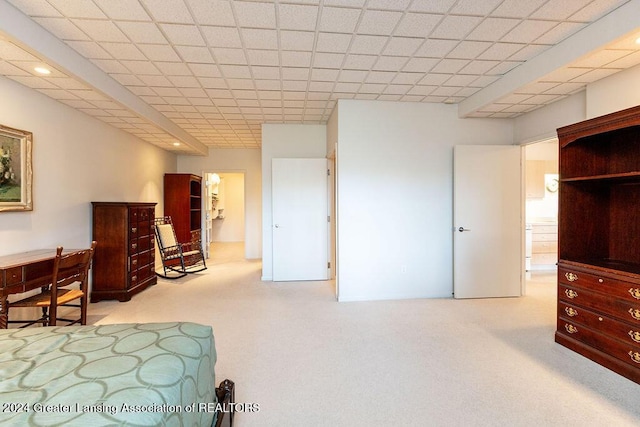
pixel 612 177
pixel 606 265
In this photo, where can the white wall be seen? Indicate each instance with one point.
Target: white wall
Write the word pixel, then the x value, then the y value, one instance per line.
pixel 284 141
pixel 231 228
pixel 236 160
pixel 77 159
pixel 615 93
pixel 395 171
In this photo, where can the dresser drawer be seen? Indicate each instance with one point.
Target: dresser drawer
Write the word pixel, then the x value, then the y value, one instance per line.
pixel 544 247
pixel 593 281
pixel 616 307
pixel 622 331
pixel 626 352
pixel 545 229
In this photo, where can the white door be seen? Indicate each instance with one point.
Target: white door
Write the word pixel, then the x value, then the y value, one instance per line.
pixel 300 228
pixel 487 221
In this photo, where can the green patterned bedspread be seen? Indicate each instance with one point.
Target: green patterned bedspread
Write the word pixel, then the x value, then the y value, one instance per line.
pixel 152 374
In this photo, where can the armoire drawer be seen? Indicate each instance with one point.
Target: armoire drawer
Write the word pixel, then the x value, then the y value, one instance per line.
pixel 622 331
pixel 592 281
pixel 615 307
pixel 629 353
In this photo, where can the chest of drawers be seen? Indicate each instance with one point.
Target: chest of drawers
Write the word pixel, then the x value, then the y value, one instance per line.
pixel 124 264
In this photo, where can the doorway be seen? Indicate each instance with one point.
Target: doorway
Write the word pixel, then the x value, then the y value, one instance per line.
pixel 224 214
pixel 541 207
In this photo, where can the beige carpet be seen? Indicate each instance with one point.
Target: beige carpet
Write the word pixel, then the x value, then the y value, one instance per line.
pixel 310 361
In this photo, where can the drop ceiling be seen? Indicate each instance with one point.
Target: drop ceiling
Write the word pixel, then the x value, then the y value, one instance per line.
pixel 209 73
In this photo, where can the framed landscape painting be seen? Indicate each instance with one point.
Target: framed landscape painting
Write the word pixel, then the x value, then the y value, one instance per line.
pixel 16 170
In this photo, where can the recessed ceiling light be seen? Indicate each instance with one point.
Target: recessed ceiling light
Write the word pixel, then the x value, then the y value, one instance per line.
pixel 43 70
pixel 176 144
pixel 638 40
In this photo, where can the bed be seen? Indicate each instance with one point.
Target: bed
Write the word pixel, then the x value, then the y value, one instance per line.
pixel 154 374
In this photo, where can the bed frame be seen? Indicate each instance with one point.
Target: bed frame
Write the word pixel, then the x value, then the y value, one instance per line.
pixel 226 395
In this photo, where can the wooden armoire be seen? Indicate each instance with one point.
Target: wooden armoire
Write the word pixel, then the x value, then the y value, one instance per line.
pixel 599 241
pixel 183 203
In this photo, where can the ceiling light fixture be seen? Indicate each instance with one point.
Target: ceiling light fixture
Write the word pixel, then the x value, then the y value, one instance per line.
pixel 176 144
pixel 42 70
pixel 638 40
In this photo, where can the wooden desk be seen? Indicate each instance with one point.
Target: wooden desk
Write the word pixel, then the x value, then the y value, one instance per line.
pixel 23 272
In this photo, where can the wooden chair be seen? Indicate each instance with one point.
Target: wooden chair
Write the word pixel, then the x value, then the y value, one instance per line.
pixel 68 269
pixel 178 259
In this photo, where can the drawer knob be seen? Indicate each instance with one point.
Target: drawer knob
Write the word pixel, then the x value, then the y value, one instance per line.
pixel 635 313
pixel 635 356
pixel 600 281
pixel 571 277
pixel 571 293
pixel 572 312
pixel 570 328
pixel 635 335
pixel 635 293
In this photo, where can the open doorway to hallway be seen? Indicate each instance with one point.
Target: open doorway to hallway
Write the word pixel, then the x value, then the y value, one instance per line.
pixel 541 207
pixel 224 217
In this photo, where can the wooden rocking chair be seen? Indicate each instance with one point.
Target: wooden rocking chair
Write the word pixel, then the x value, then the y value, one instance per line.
pixel 178 259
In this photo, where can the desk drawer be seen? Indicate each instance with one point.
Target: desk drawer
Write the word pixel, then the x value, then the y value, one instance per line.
pixel 13 275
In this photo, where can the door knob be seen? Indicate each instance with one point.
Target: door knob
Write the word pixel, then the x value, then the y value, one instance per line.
pixel 461 229
pixel 277 225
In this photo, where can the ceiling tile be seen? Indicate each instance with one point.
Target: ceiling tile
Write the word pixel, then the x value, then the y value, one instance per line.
pixel 450 65
pixel 101 31
pixel 352 76
pixel 360 62
pixel 417 24
pixel 390 63
pixel 235 71
pixel 174 11
pixel 371 45
pixel 492 29
pixel 319 74
pixel 123 9
pixel 262 73
pixel 517 8
pixel 500 51
pixel 62 28
pixel 260 38
pixel 255 15
pixel 339 20
pixel 437 6
pixel 36 7
pixel 11 52
pixel 111 66
pixel 455 27
pixel 328 60
pixel 141 67
pixel 596 9
pixel 142 32
pixel 174 68
pixel 378 22
pixel 402 46
pixel 229 56
pixel 420 64
pixel 263 57
pixel 558 11
pixel 380 77
pixel 191 54
pixel 478 67
pixel 297 40
pixel 179 34
pixel 297 17
pixel 159 52
pixel 212 12
pixel 474 7
pixel 78 9
pixel 560 32
pixel 436 48
pixel 222 37
pixel 123 51
pixel 295 59
pixel 528 30
pixel 599 59
pixel 331 42
pixel 468 49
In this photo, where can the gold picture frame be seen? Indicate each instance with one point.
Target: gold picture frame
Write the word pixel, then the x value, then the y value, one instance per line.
pixel 16 169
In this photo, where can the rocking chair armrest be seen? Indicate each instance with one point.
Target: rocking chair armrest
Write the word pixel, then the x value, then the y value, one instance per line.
pixel 171 251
